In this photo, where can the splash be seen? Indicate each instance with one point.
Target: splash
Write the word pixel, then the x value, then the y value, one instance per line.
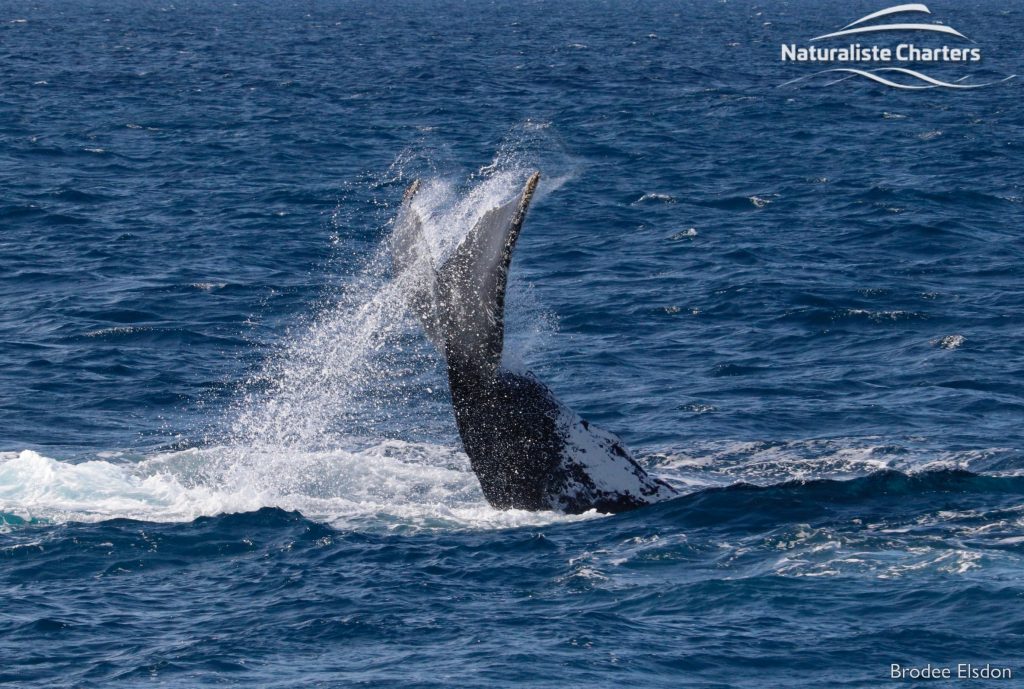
pixel 360 377
pixel 347 419
pixel 361 370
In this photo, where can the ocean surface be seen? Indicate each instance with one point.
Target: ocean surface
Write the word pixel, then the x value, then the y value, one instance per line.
pixel 227 454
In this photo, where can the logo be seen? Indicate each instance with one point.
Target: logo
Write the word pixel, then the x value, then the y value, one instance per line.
pixel 902 65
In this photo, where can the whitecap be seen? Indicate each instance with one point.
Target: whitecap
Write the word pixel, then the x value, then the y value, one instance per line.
pixel 688 233
pixel 950 341
pixel 654 196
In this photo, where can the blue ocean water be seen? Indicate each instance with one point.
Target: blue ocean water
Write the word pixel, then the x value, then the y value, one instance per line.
pixel 227 456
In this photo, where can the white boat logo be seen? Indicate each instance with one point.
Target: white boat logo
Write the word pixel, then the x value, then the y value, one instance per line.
pixel 868 56
pixel 896 9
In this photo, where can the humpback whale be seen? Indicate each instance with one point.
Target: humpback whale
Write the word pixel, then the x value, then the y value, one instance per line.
pixel 528 450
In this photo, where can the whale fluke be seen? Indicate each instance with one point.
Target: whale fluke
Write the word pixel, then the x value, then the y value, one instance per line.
pixel 462 305
pixel 410 254
pixel 528 450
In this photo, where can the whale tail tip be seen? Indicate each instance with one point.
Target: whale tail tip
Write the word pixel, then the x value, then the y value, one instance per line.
pixel 462 303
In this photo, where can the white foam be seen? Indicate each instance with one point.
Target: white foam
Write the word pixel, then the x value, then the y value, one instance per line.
pixel 950 341
pixel 722 462
pixel 656 196
pixel 384 486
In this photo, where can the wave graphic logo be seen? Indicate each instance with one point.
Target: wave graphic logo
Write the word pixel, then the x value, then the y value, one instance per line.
pixel 896 9
pixel 908 76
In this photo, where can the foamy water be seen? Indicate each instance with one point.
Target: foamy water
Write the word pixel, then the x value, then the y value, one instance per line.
pixel 389 485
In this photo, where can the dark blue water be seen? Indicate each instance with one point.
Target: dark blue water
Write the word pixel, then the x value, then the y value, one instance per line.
pixel 227 455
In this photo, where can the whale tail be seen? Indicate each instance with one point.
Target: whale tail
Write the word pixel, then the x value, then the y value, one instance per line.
pixel 528 450
pixel 462 304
